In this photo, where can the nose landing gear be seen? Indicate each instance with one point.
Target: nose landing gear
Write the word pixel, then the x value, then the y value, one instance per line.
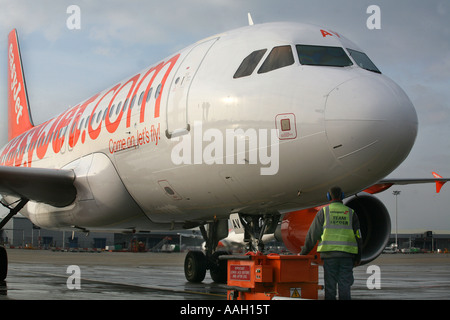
pixel 197 263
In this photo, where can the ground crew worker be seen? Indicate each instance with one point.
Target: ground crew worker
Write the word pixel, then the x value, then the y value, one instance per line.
pixel 336 227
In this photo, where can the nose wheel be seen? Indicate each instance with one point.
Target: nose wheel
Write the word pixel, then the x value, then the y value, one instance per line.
pixel 197 263
pixel 195 266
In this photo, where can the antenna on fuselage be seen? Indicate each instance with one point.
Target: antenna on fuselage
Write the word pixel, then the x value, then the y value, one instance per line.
pixel 250 20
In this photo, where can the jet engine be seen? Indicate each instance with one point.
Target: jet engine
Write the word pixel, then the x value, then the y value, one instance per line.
pixel 374 221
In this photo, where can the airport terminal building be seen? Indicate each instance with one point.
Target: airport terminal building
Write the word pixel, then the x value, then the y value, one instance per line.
pixel 422 240
pixel 20 232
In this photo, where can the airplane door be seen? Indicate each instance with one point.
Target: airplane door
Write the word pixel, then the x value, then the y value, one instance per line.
pixel 177 103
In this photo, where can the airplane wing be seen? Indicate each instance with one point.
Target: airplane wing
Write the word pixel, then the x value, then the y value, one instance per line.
pixel 52 186
pixel 387 183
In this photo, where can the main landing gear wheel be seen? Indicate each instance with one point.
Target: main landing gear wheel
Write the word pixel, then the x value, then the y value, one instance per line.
pixel 195 266
pixel 3 264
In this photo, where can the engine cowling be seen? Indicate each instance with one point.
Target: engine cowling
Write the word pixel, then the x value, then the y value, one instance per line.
pixel 375 224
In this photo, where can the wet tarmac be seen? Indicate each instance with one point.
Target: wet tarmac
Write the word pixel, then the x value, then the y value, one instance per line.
pixel 47 275
pixel 404 277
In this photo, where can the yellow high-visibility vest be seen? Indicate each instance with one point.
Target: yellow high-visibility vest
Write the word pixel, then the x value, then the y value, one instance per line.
pixel 338 234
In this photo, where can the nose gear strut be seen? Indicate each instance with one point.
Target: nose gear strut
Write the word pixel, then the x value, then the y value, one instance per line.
pixel 255 227
pixel 197 263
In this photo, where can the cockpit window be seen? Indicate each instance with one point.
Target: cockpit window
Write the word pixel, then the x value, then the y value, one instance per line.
pixel 363 60
pixel 249 64
pixel 323 56
pixel 279 57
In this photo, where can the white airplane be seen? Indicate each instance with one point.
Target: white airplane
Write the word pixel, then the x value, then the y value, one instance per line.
pixel 258 121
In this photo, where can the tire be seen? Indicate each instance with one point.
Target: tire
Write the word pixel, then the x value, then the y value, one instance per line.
pixel 219 268
pixel 3 264
pixel 195 266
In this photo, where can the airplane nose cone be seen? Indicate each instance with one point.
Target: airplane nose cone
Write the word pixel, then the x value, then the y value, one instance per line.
pixel 371 126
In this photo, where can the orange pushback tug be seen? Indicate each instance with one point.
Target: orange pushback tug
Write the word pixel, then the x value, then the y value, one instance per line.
pixel 255 276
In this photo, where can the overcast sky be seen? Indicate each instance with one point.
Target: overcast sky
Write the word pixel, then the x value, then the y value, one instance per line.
pixel 118 38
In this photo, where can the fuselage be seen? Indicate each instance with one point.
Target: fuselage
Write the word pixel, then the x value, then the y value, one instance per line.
pixel 259 119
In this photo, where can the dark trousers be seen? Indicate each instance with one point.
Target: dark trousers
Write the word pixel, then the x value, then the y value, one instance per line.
pixel 338 272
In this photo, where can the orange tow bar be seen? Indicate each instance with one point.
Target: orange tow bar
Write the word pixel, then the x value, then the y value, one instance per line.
pixel 264 277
